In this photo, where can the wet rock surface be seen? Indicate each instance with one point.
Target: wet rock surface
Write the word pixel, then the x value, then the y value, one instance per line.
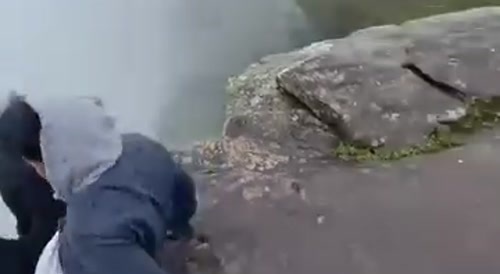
pixel 273 199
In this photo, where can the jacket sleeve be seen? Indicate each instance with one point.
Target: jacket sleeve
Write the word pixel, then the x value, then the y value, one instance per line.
pixel 104 256
pixel 112 231
pixel 184 204
pixel 43 219
pixel 23 253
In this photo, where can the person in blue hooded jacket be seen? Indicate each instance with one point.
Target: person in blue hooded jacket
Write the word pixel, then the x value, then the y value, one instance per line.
pixel 123 192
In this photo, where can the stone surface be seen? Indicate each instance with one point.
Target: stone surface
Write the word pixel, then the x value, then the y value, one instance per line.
pixel 273 200
pixel 264 120
pixel 264 129
pixel 463 52
pixel 368 99
pixel 433 215
pixel 360 89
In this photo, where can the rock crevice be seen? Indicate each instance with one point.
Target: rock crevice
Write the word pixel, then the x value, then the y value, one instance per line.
pixel 441 86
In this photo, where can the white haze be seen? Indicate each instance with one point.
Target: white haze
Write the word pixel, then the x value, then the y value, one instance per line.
pixel 159 65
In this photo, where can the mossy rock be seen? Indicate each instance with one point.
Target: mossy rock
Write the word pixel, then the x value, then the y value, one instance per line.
pixel 480 114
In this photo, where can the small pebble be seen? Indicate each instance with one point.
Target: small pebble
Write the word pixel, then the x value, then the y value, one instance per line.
pixel 366 170
pixel 460 161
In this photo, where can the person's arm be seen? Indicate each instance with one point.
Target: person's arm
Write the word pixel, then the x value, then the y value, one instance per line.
pixel 104 256
pixel 26 250
pixel 184 204
pixel 116 232
pixel 13 199
pixel 44 213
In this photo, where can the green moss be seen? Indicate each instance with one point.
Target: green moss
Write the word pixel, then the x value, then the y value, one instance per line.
pixel 434 143
pixel 480 114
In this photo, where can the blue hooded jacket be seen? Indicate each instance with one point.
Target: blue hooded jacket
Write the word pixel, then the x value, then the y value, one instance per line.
pixel 123 192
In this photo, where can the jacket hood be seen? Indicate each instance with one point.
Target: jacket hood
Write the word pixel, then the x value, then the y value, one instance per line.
pixel 79 142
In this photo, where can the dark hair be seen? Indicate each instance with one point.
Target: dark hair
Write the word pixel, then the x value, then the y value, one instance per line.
pixel 20 129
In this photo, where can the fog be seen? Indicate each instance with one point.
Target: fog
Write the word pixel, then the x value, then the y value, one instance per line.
pixel 159 65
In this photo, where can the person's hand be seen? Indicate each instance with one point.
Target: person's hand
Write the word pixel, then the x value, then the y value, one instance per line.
pixel 185 256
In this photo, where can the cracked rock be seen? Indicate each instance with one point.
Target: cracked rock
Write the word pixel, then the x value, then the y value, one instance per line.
pixel 376 102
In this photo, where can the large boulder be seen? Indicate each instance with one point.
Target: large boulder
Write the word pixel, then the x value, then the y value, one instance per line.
pixel 273 198
pixel 296 107
pixel 361 87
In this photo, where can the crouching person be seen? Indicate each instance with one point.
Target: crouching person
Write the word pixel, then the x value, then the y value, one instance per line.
pixel 123 191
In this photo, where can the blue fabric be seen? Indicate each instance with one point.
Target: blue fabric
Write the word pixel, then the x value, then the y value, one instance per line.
pixel 116 224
